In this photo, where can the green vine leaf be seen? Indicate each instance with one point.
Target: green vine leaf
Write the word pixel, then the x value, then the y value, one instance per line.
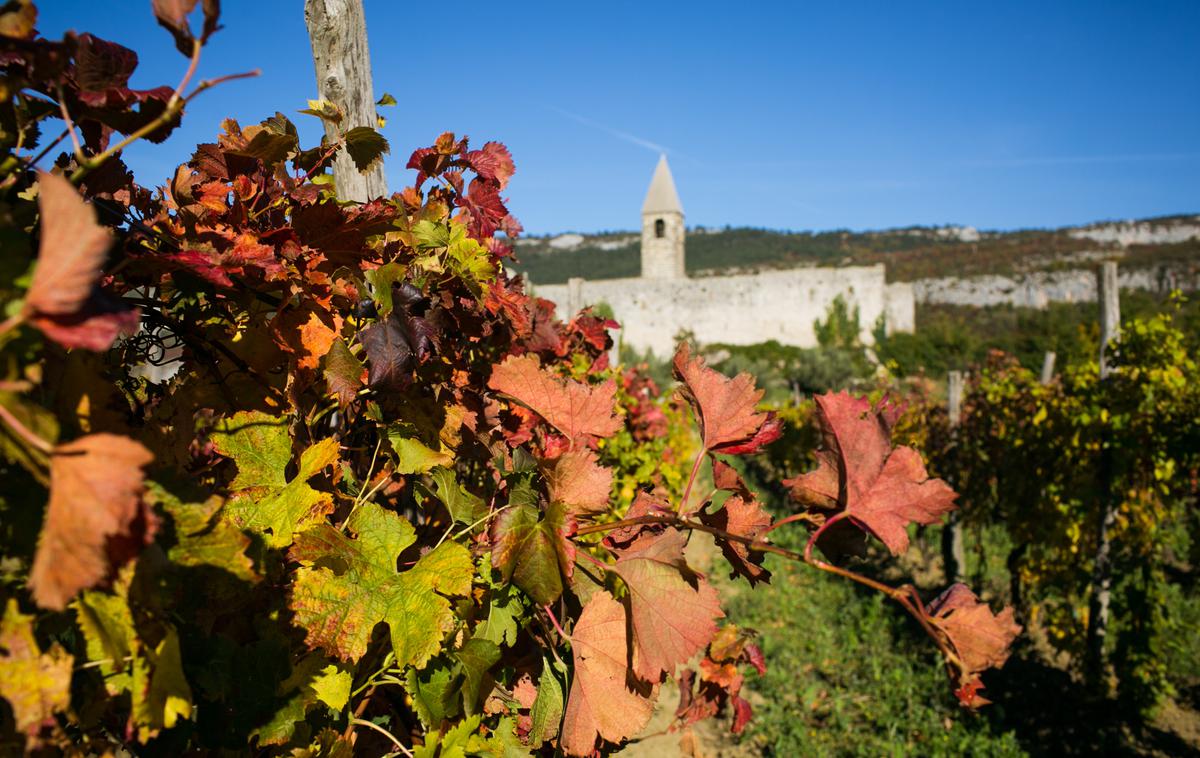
pixel 346 586
pixel 265 502
pixel 35 684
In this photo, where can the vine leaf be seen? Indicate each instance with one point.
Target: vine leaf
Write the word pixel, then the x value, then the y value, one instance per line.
pixel 577 480
pixel 172 16
pixel 265 502
pixel 547 710
pixel 880 488
pixel 63 300
pixel 673 610
pixel 601 702
pixel 726 407
pixel 745 518
pixel 531 549
pixel 96 520
pixel 203 538
pixel 343 372
pixel 980 639
pixel 313 680
pixel 35 684
pixel 346 586
pixel 161 694
pixel 577 410
pixel 493 162
pixel 72 249
pixel 366 147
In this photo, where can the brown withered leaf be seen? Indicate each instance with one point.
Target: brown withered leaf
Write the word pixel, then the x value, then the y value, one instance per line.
pixel 71 252
pixel 605 700
pixel 577 410
pixel 96 518
pixel 729 422
pixel 744 518
pixel 980 638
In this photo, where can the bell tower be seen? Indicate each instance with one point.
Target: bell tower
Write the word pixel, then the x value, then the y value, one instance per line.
pixel 662 227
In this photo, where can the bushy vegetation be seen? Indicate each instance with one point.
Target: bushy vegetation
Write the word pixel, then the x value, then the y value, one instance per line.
pixel 952 337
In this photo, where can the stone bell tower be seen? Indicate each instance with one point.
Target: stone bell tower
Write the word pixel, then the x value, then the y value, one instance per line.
pixel 662 227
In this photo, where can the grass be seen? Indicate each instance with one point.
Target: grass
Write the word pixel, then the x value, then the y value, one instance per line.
pixel 849 674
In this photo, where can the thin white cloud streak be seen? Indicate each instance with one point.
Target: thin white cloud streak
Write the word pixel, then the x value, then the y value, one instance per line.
pixel 630 138
pixel 1060 160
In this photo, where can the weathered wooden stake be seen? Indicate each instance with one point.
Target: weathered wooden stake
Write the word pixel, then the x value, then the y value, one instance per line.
pixel 1048 367
pixel 953 554
pixel 337 30
pixel 1097 631
pixel 1109 295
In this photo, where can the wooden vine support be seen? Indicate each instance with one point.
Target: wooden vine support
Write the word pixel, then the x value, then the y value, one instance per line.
pixel 337 30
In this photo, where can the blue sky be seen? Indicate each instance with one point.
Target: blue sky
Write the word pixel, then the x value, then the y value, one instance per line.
pixel 782 115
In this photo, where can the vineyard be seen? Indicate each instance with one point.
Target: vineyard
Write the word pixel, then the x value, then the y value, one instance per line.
pixel 284 473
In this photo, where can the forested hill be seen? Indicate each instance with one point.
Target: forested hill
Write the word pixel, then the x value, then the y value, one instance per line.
pixel 910 253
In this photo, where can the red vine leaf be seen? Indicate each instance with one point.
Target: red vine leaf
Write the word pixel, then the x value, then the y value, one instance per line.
pixel 744 518
pixel 577 480
pixel 602 703
pixel 726 407
pixel 725 477
pixel 673 610
pixel 96 519
pixel 980 639
pixel 494 162
pixel 880 488
pixel 577 410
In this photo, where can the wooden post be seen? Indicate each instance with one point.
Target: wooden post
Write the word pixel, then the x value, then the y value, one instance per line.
pixel 337 30
pixel 1048 367
pixel 1109 295
pixel 953 554
pixel 1098 604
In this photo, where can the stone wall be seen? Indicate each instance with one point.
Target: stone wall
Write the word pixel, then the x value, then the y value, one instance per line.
pixel 740 310
pixel 1039 289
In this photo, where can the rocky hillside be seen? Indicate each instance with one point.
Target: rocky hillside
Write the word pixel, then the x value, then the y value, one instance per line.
pixel 952 264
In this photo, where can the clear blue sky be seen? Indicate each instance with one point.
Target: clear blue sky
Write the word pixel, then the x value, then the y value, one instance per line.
pixel 782 115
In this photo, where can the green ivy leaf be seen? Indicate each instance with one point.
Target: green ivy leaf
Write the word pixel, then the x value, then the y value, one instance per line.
pixel 346 586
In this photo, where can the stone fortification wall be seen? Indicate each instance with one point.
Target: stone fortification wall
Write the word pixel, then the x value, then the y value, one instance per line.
pixel 1039 289
pixel 740 310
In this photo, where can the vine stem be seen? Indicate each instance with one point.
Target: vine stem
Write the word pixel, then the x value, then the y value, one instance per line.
pixel 554 619
pixel 11 322
pixel 687 491
pixel 399 745
pixel 24 432
pixel 174 107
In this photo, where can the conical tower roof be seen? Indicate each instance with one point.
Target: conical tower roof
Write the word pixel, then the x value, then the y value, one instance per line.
pixel 661 197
